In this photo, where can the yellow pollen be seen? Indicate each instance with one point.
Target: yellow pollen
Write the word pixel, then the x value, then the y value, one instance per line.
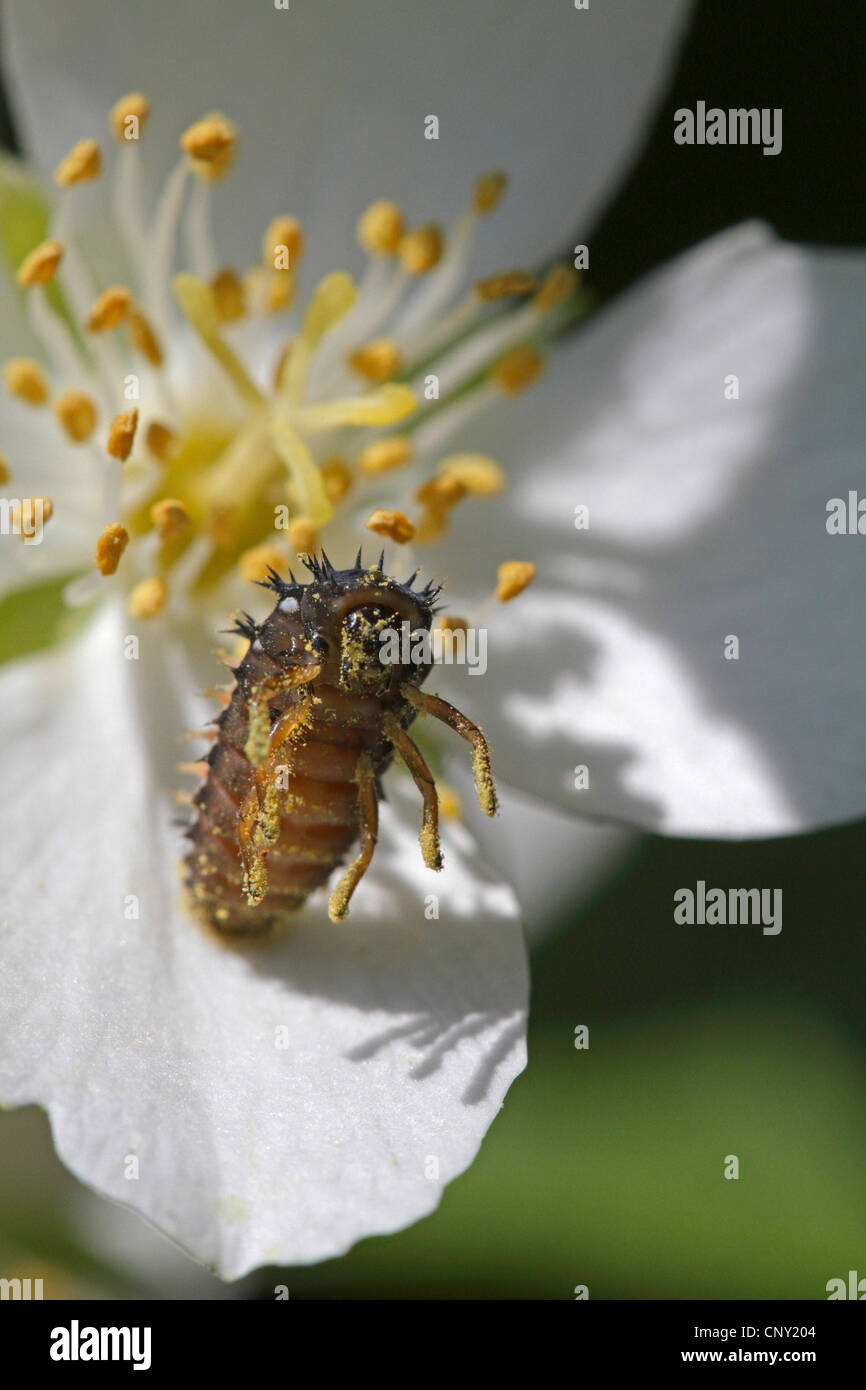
pixel 110 309
pixel 228 293
pixel 558 285
pixel 128 117
pixel 148 598
pixel 160 441
pixel 377 361
pixel 109 548
pixel 170 517
pixel 421 250
pixel 517 369
pixel 121 434
pixel 144 338
pixel 255 563
pixel 336 479
pixel 394 525
pixel 283 243
pixel 383 455
pixel 381 228
pixel 504 285
pixel 25 379
pixel 383 407
pixel 478 474
pixel 5 470
pixel 83 162
pixel 77 415
pixel 39 267
pixel 489 189
pixel 303 535
pixel 209 140
pixel 513 576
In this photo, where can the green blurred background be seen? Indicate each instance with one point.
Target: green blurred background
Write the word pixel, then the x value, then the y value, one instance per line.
pixel 605 1167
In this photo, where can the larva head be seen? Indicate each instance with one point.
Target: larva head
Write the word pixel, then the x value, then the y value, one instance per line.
pixel 362 625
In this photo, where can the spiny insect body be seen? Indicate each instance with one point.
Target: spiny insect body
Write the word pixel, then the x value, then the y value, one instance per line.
pixel 315 719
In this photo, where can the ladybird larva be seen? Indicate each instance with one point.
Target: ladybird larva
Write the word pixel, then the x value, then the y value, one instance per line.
pixel 314 720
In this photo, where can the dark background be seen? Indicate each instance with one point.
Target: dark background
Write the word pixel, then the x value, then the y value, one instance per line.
pixel 605 1167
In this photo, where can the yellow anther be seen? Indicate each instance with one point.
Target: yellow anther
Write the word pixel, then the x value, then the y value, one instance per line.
pixel 279 292
pixel 504 285
pixel 121 434
pixel 421 250
pixel 128 117
pixel 77 415
pixel 489 189
pixel 478 474
pixel 5 470
pixel 383 455
pixel 110 309
pixel 303 535
pixel 449 622
pixel 25 379
pixel 450 804
pixel 441 492
pixel 336 478
pixel 144 338
pixel 283 243
pixel 160 441
pixel 228 293
pixel 513 576
pixel 209 140
pixel 29 516
pixel 39 267
pixel 377 361
pixel 383 407
pixel 558 285
pixel 148 598
pixel 380 228
pixel 517 369
pixel 83 162
pixel 170 517
pixel 255 563
pixel 109 548
pixel 394 525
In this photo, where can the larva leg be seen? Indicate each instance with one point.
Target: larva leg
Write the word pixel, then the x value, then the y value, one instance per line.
pixel 258 735
pixel 368 816
pixel 424 781
pixel 259 815
pixel 440 709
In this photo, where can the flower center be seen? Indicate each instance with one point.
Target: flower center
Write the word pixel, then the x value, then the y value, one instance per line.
pixel 287 426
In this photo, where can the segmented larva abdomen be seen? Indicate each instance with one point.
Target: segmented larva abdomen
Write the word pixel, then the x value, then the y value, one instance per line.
pixel 314 781
pixel 315 718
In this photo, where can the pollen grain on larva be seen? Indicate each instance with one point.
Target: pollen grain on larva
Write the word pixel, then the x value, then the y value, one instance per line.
pixel 314 720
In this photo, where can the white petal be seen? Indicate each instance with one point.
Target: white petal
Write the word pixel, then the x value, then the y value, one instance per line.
pixel 555 862
pixel 332 101
pixel 144 1038
pixel 707 520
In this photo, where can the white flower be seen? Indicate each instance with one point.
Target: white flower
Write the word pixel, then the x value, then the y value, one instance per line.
pixel 280 1104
